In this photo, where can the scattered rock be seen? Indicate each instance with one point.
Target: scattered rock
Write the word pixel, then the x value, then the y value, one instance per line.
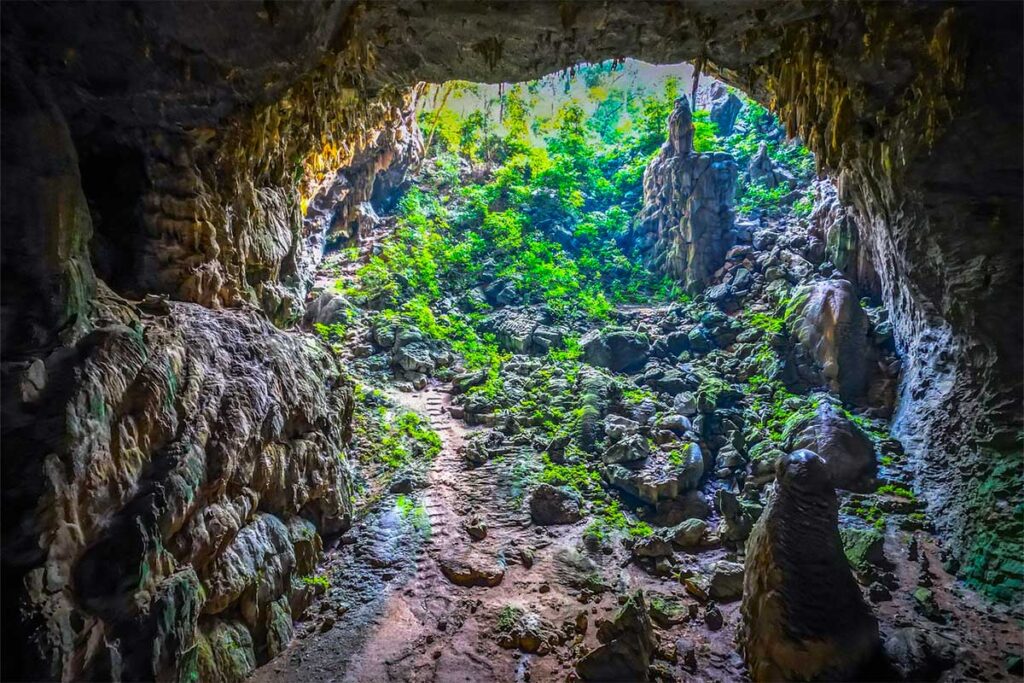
pixel 554 505
pixel 476 528
pixel 713 618
pixel 619 350
pixel 661 476
pixel 629 449
pixel 726 581
pixel 471 568
pixel 919 655
pixel 864 546
pixel 689 533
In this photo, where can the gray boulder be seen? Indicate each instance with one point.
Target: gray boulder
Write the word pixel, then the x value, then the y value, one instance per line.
pixel 846 449
pixel 619 350
pixel 661 476
pixel 627 645
pixel 628 449
pixel 551 505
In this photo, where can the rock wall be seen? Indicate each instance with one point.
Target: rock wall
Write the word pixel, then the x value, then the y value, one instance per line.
pixel 168 467
pixel 686 224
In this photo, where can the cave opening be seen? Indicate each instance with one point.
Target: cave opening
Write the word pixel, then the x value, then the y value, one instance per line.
pixel 627 311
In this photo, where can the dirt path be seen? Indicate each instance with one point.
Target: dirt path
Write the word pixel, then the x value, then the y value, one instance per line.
pixel 392 615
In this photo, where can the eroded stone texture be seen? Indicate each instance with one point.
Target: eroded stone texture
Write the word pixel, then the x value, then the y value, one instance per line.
pixel 803 614
pixel 833 348
pixel 685 227
pixel 132 485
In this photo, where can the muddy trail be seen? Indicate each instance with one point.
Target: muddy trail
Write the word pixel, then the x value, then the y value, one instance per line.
pixel 409 599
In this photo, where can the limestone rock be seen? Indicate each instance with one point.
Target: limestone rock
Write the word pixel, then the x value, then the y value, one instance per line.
pixel 617 349
pixel 524 330
pixel 183 425
pixel 849 453
pixel 468 567
pixel 726 581
pixel 919 655
pixel 724 110
pixel 685 226
pixel 627 645
pixel 831 330
pixel 803 614
pixel 628 449
pixel 661 476
pixel 688 533
pixel 552 505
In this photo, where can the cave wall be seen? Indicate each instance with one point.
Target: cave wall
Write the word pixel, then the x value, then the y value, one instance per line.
pixel 203 129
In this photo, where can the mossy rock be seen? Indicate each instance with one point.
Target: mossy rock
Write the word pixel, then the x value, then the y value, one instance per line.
pixel 863 546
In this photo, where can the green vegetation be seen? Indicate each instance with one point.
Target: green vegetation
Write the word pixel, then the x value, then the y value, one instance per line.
pixel 317 581
pixel 390 437
pixel 899 491
pixel 609 519
pixel 508 617
pixel 415 514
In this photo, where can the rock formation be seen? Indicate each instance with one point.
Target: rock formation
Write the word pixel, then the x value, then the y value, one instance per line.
pixel 173 465
pixel 846 449
pixel 627 644
pixel 725 107
pixel 803 614
pixel 685 227
pixel 833 347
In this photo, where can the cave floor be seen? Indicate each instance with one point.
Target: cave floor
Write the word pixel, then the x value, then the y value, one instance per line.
pixel 392 615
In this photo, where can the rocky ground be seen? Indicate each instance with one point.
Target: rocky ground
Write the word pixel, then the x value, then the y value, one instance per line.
pixel 586 514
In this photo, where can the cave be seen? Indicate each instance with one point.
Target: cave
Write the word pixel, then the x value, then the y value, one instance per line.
pixel 193 464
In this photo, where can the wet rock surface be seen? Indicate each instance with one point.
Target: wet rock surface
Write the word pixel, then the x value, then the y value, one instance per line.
pixel 803 615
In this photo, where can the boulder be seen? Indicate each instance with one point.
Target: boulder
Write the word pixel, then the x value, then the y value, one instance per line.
pixel 915 654
pixel 831 332
pixel 689 532
pixel 469 568
pixel 803 615
pixel 627 645
pixel 724 110
pixel 726 581
pixel 628 449
pixel 524 330
pixel 415 357
pixel 551 505
pixel 616 427
pixel 329 308
pixel 661 476
pixel 618 349
pixel 738 517
pixel 653 546
pixel 846 449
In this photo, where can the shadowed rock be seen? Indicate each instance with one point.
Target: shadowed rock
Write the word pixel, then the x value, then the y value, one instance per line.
pixel 627 645
pixel 803 615
pixel 846 449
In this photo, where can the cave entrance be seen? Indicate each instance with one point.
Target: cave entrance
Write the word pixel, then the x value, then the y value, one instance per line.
pixel 625 294
pixel 533 193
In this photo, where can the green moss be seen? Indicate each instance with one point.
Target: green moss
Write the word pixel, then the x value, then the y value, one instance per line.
pixel 317 580
pixel 900 491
